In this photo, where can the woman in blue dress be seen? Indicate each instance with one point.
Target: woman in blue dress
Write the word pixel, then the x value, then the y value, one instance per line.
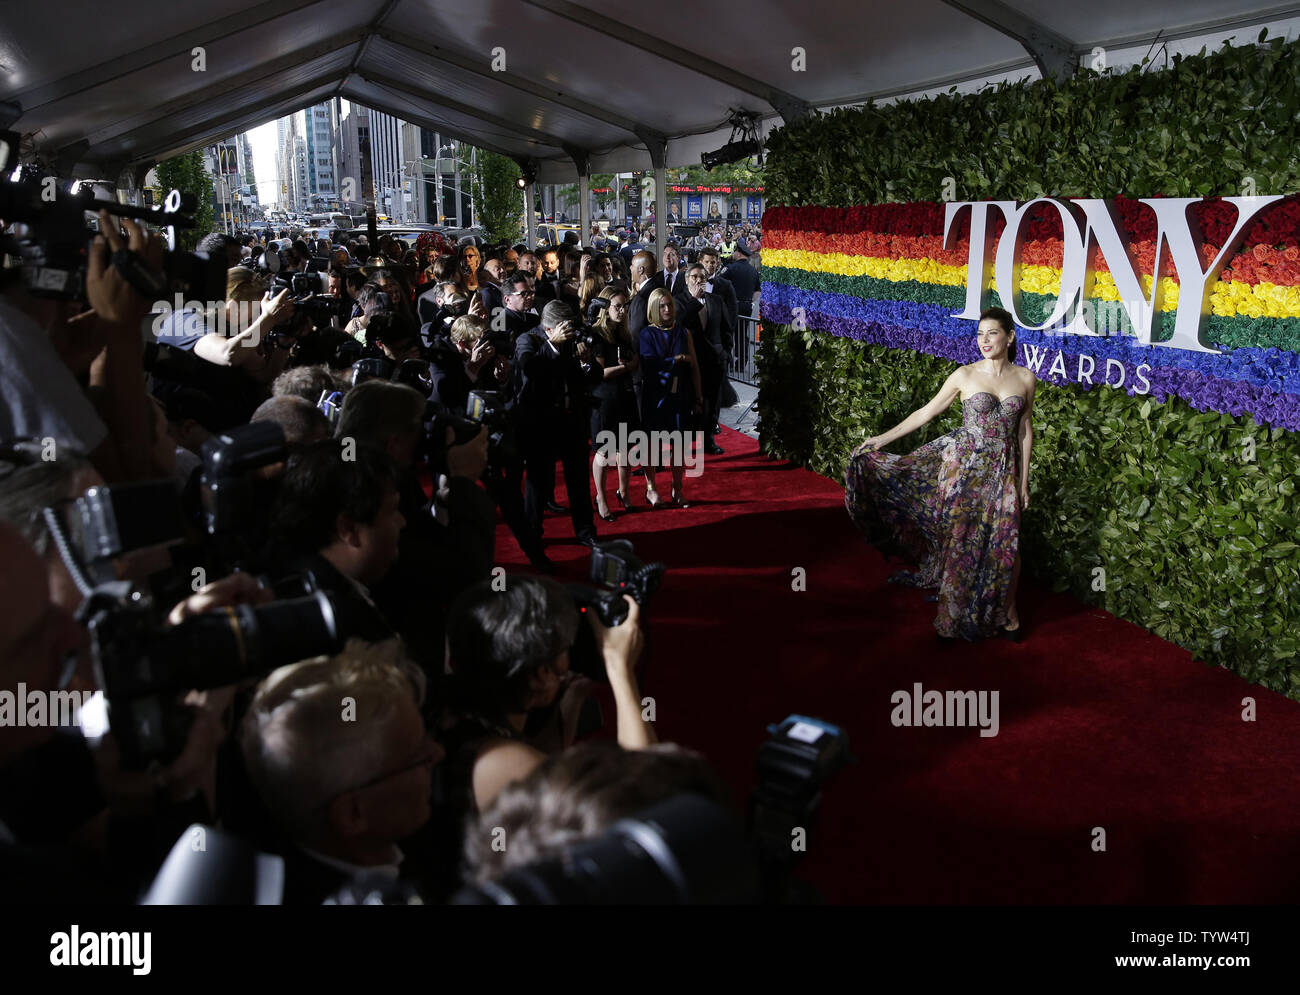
pixel 670 392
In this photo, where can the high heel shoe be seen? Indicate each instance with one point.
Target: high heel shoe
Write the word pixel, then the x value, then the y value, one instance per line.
pixel 622 500
pixel 656 502
pixel 605 516
pixel 1013 634
pixel 678 500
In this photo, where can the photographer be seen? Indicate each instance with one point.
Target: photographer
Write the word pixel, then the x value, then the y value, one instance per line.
pixel 250 313
pixel 39 369
pixel 56 848
pixel 468 361
pixel 448 543
pixel 340 519
pixel 553 415
pixel 344 794
pixel 509 656
pixel 396 335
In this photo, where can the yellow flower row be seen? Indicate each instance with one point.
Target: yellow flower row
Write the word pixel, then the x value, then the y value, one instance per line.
pixel 1227 299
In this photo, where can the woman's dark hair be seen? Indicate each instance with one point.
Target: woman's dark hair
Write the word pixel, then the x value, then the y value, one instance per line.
pixel 394 329
pixel 443 269
pixel 498 639
pixel 1002 317
pixel 353 277
pixel 372 300
pixel 319 484
pixel 578 794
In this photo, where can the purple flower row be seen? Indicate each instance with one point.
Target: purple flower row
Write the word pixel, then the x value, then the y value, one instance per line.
pixel 1200 391
pixel 1272 368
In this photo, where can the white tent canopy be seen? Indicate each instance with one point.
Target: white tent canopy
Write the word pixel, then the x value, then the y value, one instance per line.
pixel 574 86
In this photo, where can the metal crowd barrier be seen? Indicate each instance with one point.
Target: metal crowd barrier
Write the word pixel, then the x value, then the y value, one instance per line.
pixel 745 345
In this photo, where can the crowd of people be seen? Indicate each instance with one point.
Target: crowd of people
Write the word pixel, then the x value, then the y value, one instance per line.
pixel 411 390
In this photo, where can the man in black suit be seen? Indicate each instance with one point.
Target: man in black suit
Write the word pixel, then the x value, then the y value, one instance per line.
pixel 743 277
pixel 645 281
pixel 550 283
pixel 717 284
pixel 447 545
pixel 465 361
pixel 340 519
pixel 702 313
pixel 553 415
pixel 518 297
pixel 673 217
pixel 674 277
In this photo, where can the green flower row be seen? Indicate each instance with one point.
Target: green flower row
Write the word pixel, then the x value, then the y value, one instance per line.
pixel 1236 332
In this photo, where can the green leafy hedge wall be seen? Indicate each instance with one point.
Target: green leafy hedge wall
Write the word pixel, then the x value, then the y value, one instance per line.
pixel 1192 516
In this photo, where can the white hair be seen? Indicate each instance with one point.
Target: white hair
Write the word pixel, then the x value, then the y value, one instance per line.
pixel 318 728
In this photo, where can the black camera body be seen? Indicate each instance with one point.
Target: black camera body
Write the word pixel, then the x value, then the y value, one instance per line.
pixel 55 234
pixel 143 665
pixel 616 570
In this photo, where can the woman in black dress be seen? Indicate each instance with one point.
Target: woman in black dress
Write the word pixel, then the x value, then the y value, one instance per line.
pixel 615 398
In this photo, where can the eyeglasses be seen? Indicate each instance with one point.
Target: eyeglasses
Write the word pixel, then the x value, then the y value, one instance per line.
pixel 430 753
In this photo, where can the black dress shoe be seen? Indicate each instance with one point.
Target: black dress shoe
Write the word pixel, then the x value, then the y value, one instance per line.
pixel 589 539
pixel 559 509
pixel 542 563
pixel 715 450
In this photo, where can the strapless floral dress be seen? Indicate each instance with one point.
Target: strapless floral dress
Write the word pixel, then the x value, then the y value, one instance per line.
pixel 953 508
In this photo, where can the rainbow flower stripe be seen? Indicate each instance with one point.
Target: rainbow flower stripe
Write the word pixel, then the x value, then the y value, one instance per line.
pixel 881 275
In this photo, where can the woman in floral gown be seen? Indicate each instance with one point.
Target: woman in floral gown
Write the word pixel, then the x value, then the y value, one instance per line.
pixel 953 506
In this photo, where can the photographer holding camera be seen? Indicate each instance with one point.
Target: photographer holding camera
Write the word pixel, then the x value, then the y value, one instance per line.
pixel 449 543
pixel 467 361
pixel 509 656
pixel 46 346
pixel 556 374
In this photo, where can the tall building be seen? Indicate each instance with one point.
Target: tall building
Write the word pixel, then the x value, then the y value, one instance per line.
pixel 353 142
pixel 386 162
pixel 318 125
pixel 301 180
pixel 286 194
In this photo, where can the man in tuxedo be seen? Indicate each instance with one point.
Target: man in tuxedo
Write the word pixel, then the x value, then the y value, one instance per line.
pixel 717 284
pixel 645 281
pixel 674 278
pixel 553 415
pixel 518 297
pixel 703 314
pixel 550 283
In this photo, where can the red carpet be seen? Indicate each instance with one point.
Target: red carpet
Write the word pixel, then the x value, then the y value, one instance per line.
pixel 1102 725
